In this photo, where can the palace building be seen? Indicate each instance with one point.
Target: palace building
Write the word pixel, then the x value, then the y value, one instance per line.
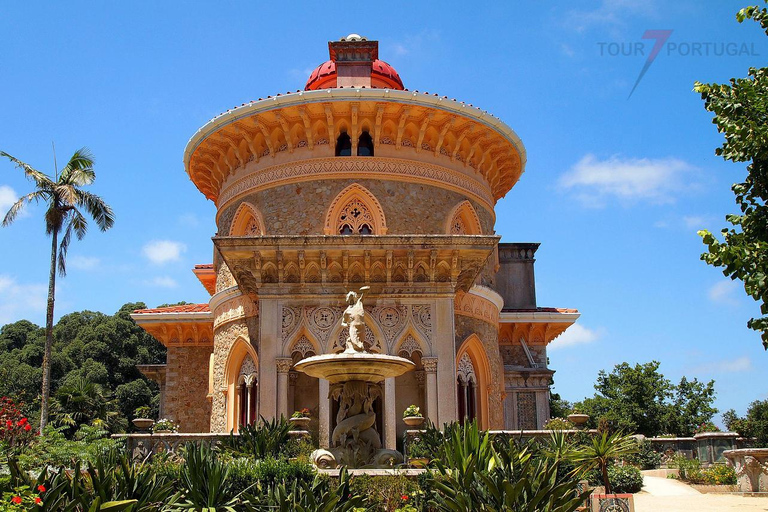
pixel 357 181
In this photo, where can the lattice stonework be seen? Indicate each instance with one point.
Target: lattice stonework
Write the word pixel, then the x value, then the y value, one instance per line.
pixel 526 410
pixel 355 217
pixel 252 228
pixel 248 371
pixel 457 226
pixel 304 347
pixel 410 345
pixel 466 369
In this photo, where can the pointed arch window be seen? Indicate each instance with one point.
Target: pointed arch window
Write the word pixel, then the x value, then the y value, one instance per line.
pixel 355 219
pixel 344 145
pixel 247 390
pixel 466 388
pixel 365 144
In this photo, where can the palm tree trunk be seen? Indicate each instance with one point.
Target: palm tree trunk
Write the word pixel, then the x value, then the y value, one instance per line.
pixel 48 335
pixel 606 481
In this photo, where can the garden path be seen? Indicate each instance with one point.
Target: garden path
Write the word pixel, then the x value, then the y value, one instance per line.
pixel 662 494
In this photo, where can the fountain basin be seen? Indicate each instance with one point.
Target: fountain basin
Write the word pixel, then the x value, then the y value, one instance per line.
pixel 362 366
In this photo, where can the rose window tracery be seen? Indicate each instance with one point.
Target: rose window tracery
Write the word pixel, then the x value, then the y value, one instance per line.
pixel 355 219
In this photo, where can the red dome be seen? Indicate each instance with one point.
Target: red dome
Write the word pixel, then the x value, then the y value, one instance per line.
pixel 383 76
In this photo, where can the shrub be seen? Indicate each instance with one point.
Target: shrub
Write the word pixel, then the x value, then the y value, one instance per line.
pixel 690 469
pixel 411 410
pixel 558 424
pixel 625 479
pixel 707 426
pixel 720 474
pixel 268 438
pixel 245 471
pixel 646 457
pixel 54 449
pixel 165 424
pixel 385 493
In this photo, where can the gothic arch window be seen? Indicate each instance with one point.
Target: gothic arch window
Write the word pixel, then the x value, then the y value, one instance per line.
pixel 301 349
pixel 466 388
pixel 473 379
pixel 463 220
pixel 365 144
pixel 343 145
pixel 247 221
pixel 247 391
pixel 355 211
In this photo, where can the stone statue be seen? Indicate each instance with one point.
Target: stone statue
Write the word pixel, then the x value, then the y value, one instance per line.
pixel 353 319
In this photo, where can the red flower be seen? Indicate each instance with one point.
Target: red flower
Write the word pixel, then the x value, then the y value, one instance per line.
pixel 27 427
pixel 9 423
pixel 404 497
pixel 22 421
pixel 16 500
pixel 38 501
pixel 41 488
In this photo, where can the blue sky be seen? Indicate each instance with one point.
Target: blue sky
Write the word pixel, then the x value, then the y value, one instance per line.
pixel 615 188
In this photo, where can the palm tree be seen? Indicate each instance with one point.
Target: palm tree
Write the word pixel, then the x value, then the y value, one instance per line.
pixel 65 199
pixel 604 448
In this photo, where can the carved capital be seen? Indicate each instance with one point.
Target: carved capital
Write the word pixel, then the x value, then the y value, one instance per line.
pixel 430 364
pixel 284 364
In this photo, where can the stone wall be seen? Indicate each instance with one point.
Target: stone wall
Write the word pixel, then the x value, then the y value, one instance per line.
pixel 515 355
pixel 465 327
pixel 223 339
pixel 301 208
pixel 186 377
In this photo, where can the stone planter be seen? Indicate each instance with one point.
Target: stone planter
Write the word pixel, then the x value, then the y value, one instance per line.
pixel 162 431
pixel 143 424
pixel 578 419
pixel 301 423
pixel 751 465
pixel 413 421
pixel 613 503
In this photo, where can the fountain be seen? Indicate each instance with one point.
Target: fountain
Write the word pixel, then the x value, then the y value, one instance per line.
pixel 355 377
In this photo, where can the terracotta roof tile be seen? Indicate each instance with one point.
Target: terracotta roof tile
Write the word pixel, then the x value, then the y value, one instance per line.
pixel 541 310
pixel 204 266
pixel 186 308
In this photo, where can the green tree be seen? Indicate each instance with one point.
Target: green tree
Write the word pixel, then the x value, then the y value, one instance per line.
pixel 640 399
pixel 65 200
pixel 754 424
pixel 604 449
pixel 740 111
pixel 80 401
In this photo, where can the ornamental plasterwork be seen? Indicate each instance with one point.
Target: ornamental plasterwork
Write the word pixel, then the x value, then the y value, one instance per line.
pixel 422 319
pixel 457 226
pixel 429 364
pixel 355 216
pixel 321 321
pixel 234 309
pixel 410 345
pixel 468 304
pixel 334 168
pixel 391 319
pixel 466 370
pixel 283 364
pixel 248 371
pixel 290 320
pixel 303 346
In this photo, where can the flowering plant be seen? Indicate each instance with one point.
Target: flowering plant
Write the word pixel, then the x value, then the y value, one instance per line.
pixel 15 429
pixel 707 426
pixel 22 499
pixel 411 410
pixel 165 424
pixel 304 413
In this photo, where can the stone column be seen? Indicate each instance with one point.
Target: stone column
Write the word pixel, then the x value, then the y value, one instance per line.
pixel 292 377
pixel 283 367
pixel 390 415
pixel 324 418
pixel 270 320
pixel 430 369
pixel 445 349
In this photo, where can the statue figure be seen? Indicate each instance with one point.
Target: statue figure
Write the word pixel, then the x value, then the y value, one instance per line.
pixel 353 320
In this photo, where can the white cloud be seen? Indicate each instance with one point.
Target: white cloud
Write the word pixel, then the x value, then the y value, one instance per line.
pixel 627 179
pixel 740 364
pixel 7 198
pixel 686 222
pixel 576 335
pixel 723 292
pixel 83 262
pixel 21 301
pixel 610 13
pixel 162 282
pixel 163 251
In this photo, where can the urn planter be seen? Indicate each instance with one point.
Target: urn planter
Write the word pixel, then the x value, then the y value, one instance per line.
pixel 413 421
pixel 578 419
pixel 301 423
pixel 143 424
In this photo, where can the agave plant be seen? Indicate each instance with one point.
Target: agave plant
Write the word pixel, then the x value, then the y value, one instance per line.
pixel 206 481
pixel 476 474
pixel 300 496
pixel 268 438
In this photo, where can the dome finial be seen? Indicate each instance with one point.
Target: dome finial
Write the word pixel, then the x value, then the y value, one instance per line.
pixel 353 37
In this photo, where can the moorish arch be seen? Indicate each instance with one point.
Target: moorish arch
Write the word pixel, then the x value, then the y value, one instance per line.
pixel 247 221
pixel 473 378
pixel 463 220
pixel 355 210
pixel 242 380
pixel 410 387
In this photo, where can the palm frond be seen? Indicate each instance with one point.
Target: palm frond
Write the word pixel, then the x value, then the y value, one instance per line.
pixel 66 193
pixel 77 224
pixel 40 178
pixel 98 209
pixel 16 207
pixel 79 169
pixel 54 219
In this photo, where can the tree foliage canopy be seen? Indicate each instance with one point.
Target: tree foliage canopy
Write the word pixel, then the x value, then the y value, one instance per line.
pixel 740 111
pixel 89 347
pixel 639 399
